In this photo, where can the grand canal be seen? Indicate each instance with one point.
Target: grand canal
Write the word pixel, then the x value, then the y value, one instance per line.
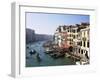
pixel 44 59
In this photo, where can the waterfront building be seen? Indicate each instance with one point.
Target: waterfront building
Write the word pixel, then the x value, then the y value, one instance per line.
pixel 75 39
pixel 60 36
pixel 85 38
pixel 76 36
pixel 70 35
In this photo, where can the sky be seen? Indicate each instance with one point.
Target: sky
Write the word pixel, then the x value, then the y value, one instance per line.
pixel 46 23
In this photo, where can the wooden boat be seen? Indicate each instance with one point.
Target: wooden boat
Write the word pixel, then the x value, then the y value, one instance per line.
pixel 32 52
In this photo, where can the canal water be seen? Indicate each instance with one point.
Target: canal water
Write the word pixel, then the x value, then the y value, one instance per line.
pixel 44 59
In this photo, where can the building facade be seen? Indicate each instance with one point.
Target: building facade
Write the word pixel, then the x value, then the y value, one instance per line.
pixel 76 36
pixel 60 37
pixel 84 43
